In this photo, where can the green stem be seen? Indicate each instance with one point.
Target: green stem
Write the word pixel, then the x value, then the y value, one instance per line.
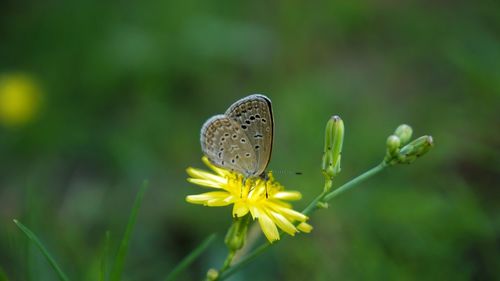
pixel 320 198
pixel 355 181
pixel 325 196
pixel 227 262
pixel 235 239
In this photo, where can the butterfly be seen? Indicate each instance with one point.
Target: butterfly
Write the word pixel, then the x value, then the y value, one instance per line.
pixel 241 139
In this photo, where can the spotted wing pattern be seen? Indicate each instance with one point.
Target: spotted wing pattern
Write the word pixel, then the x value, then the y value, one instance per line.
pixel 255 118
pixel 226 145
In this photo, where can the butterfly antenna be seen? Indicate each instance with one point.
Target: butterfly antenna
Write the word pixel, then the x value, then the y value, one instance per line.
pixel 267 194
pixel 286 172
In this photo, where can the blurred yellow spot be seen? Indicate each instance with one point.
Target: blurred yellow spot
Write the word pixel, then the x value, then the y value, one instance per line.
pixel 19 99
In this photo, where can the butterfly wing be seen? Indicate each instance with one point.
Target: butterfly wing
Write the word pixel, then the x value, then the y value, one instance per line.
pixel 227 146
pixel 255 118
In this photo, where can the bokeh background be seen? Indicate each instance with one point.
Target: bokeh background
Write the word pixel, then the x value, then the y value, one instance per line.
pixel 96 96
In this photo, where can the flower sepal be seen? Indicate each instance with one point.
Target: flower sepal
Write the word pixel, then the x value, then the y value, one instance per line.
pixel 237 233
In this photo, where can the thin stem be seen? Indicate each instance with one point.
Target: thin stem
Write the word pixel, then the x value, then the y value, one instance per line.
pixel 235 239
pixel 314 204
pixel 323 197
pixel 355 181
pixel 229 259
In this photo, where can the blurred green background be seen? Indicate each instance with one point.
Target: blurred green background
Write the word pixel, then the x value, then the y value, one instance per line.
pixel 118 91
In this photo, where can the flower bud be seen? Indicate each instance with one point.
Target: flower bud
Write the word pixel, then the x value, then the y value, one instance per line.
pixel 237 233
pixel 404 132
pixel 415 149
pixel 393 143
pixel 334 137
pixel 212 274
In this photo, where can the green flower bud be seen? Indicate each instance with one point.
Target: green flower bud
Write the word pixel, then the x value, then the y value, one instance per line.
pixel 334 138
pixel 237 233
pixel 404 133
pixel 393 143
pixel 415 149
pixel 212 274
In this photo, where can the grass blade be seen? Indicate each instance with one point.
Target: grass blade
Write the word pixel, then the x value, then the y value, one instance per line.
pixel 31 207
pixel 104 259
pixel 122 250
pixel 44 251
pixel 189 259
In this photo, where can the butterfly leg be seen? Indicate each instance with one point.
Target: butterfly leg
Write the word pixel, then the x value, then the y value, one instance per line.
pixel 267 194
pixel 265 177
pixel 243 185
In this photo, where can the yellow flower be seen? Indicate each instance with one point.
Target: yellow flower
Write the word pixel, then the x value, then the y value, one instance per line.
pixel 19 99
pixel 249 195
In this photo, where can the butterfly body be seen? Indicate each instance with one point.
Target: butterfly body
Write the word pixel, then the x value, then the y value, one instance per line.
pixel 241 139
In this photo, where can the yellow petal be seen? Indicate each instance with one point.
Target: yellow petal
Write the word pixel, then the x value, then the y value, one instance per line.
pixel 230 198
pixel 305 227
pixel 288 195
pixel 207 183
pixel 200 174
pixel 254 212
pixel 269 228
pixel 240 209
pixel 283 223
pixel 204 198
pixel 257 191
pixel 218 170
pixel 218 202
pixel 290 214
pixel 279 203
